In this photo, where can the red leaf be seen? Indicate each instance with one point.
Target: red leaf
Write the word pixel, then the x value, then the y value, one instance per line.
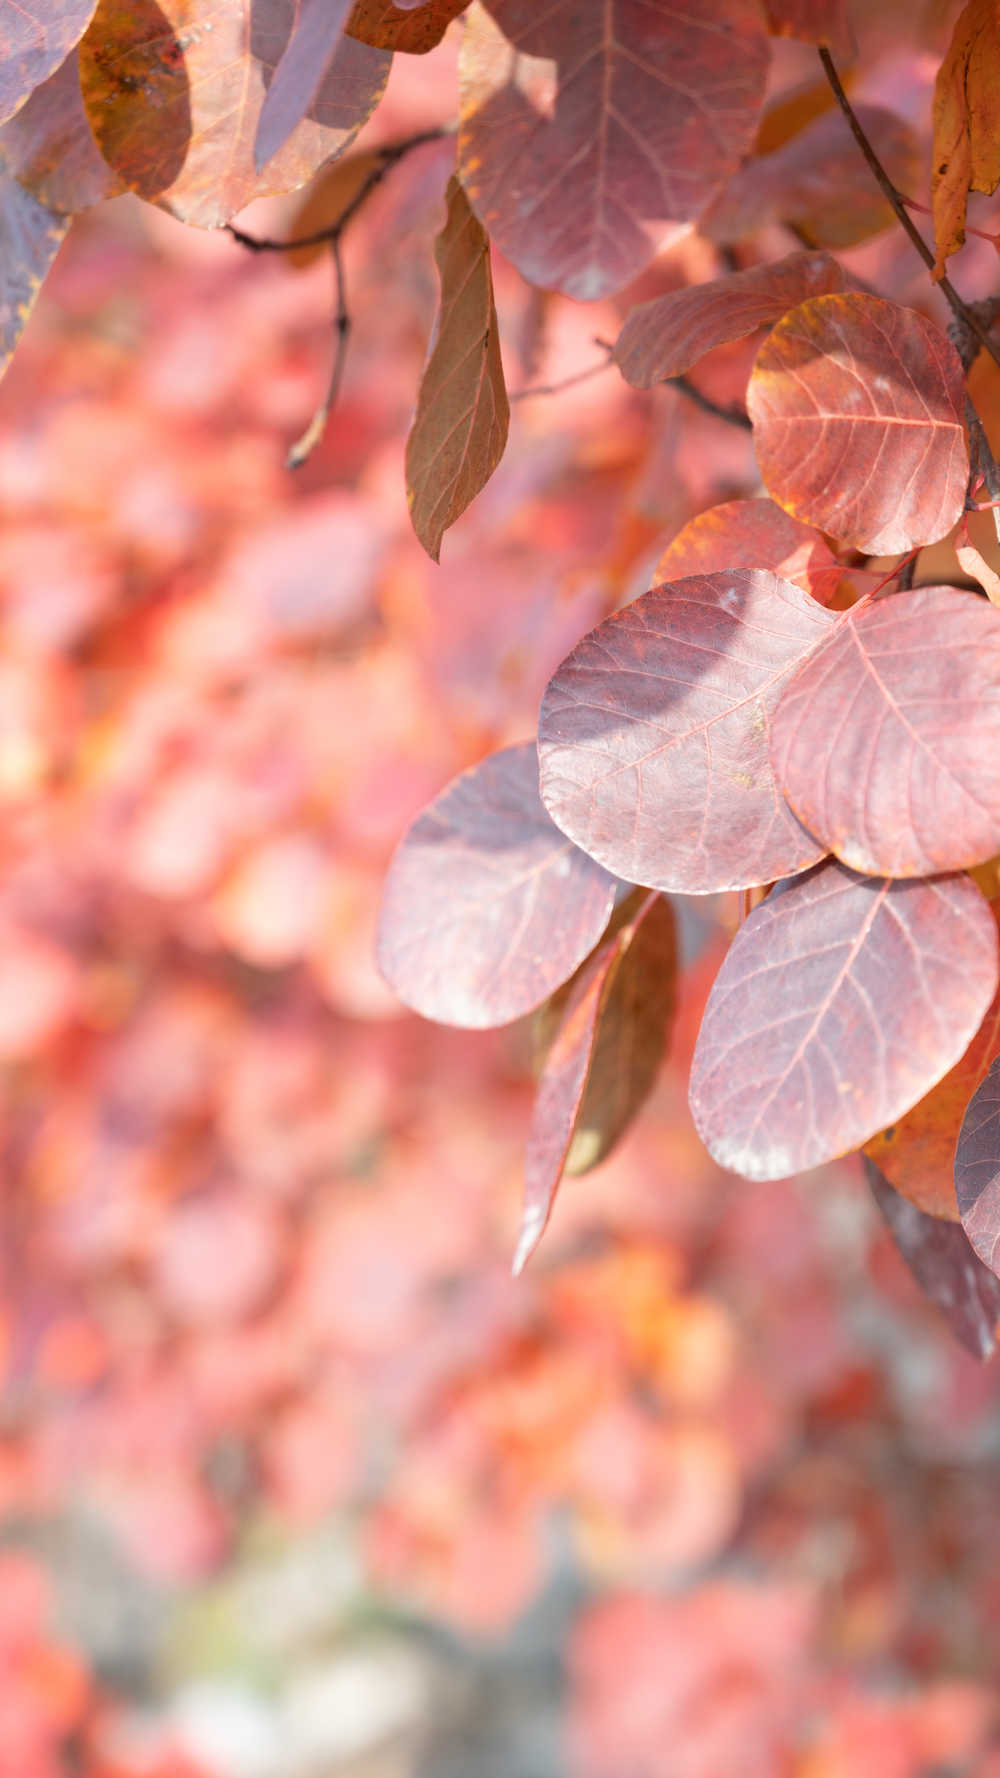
pixel 653 734
pixel 813 21
pixel 977 1170
pixel 857 408
pixel 51 148
pixel 34 39
pixel 410 27
pixel 842 1001
pixel 301 70
pixel 602 1062
pixel 487 908
pixel 663 338
pixel 175 109
pixel 752 534
pixel 944 1265
pixel 887 741
pixel 591 134
pixel 30 237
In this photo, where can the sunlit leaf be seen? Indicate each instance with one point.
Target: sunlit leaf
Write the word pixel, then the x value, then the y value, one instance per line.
pixel 460 426
pixel 602 1062
pixel 813 21
pixel 174 98
pixel 966 123
pixel 51 149
pixel 590 135
pixel 30 237
pixel 917 1152
pixel 412 30
pixel 35 37
pixel 944 1265
pixel 752 534
pixel 653 734
pixel 842 1001
pixel 304 64
pixel 858 415
pixel 887 741
pixel 663 338
pixel 488 909
pixel 977 1169
pixel 818 184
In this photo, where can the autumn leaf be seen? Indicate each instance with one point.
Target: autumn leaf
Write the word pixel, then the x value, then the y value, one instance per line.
pixel 410 30
pixel 303 67
pixel 51 149
pixel 590 136
pixel 842 1001
pixel 973 563
pixel 977 1169
pixel 460 427
pixel 813 21
pixel 602 1061
pixel 966 123
pixel 887 741
pixel 174 96
pixel 30 237
pixel 858 413
pixel 663 338
pixel 652 736
pixel 35 37
pixel 752 534
pixel 944 1264
pixel 487 907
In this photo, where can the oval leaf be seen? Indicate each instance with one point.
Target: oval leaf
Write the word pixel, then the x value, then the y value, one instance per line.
pixel 51 148
pixel 487 907
pixel 977 1169
pixel 35 37
pixel 752 534
pixel 603 1060
pixel 842 1001
pixel 412 30
pixel 460 427
pixel 966 137
pixel 174 106
pixel 663 338
pixel 590 135
pixel 887 741
pixel 301 70
pixel 857 408
pixel 653 734
pixel 30 237
pixel 945 1266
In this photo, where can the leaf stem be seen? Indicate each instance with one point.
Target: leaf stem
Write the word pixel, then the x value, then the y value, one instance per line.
pixel 733 416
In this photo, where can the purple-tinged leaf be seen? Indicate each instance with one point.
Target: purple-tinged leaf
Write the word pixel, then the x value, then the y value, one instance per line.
pixel 30 237
pixel 842 1001
pixel 305 60
pixel 488 909
pixel 977 1170
pixel 944 1265
pixel 653 734
pixel 36 36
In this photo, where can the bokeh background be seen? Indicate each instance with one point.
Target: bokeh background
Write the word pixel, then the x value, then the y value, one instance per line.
pixel 295 1480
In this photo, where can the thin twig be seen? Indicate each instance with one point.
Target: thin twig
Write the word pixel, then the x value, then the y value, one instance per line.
pixel 570 382
pixel 305 446
pixel 734 416
pixel 893 198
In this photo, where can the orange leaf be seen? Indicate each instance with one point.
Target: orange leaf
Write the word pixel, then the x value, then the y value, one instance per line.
pixel 966 123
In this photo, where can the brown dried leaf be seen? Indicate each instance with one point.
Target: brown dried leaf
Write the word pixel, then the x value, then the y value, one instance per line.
pixel 966 123
pixel 411 30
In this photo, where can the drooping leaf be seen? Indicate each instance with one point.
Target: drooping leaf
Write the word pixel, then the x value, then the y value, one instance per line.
pixel 603 1060
pixel 966 123
pixel 887 741
pixel 30 237
pixel 652 737
pixel 917 1152
pixel 977 1169
pixel 842 1001
pixel 590 135
pixel 300 72
pixel 460 427
pixel 858 414
pixel 818 183
pixel 35 37
pixel 412 30
pixel 174 105
pixel 663 338
pixel 813 21
pixel 487 907
pixel 752 534
pixel 944 1265
pixel 51 149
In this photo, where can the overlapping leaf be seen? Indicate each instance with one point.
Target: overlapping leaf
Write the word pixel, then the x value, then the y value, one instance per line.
pixel 813 21
pixel 487 908
pixel 966 123
pixel 51 149
pixel 842 1001
pixel 412 30
pixel 174 94
pixel 944 1265
pixel 590 135
pixel 663 338
pixel 917 1152
pixel 977 1170
pixel 818 184
pixel 35 37
pixel 887 741
pixel 752 534
pixel 304 64
pixel 858 415
pixel 30 237
pixel 602 1062
pixel 653 734
pixel 460 427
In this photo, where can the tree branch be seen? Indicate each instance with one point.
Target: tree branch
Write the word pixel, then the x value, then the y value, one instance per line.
pixel 570 382
pixel 733 416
